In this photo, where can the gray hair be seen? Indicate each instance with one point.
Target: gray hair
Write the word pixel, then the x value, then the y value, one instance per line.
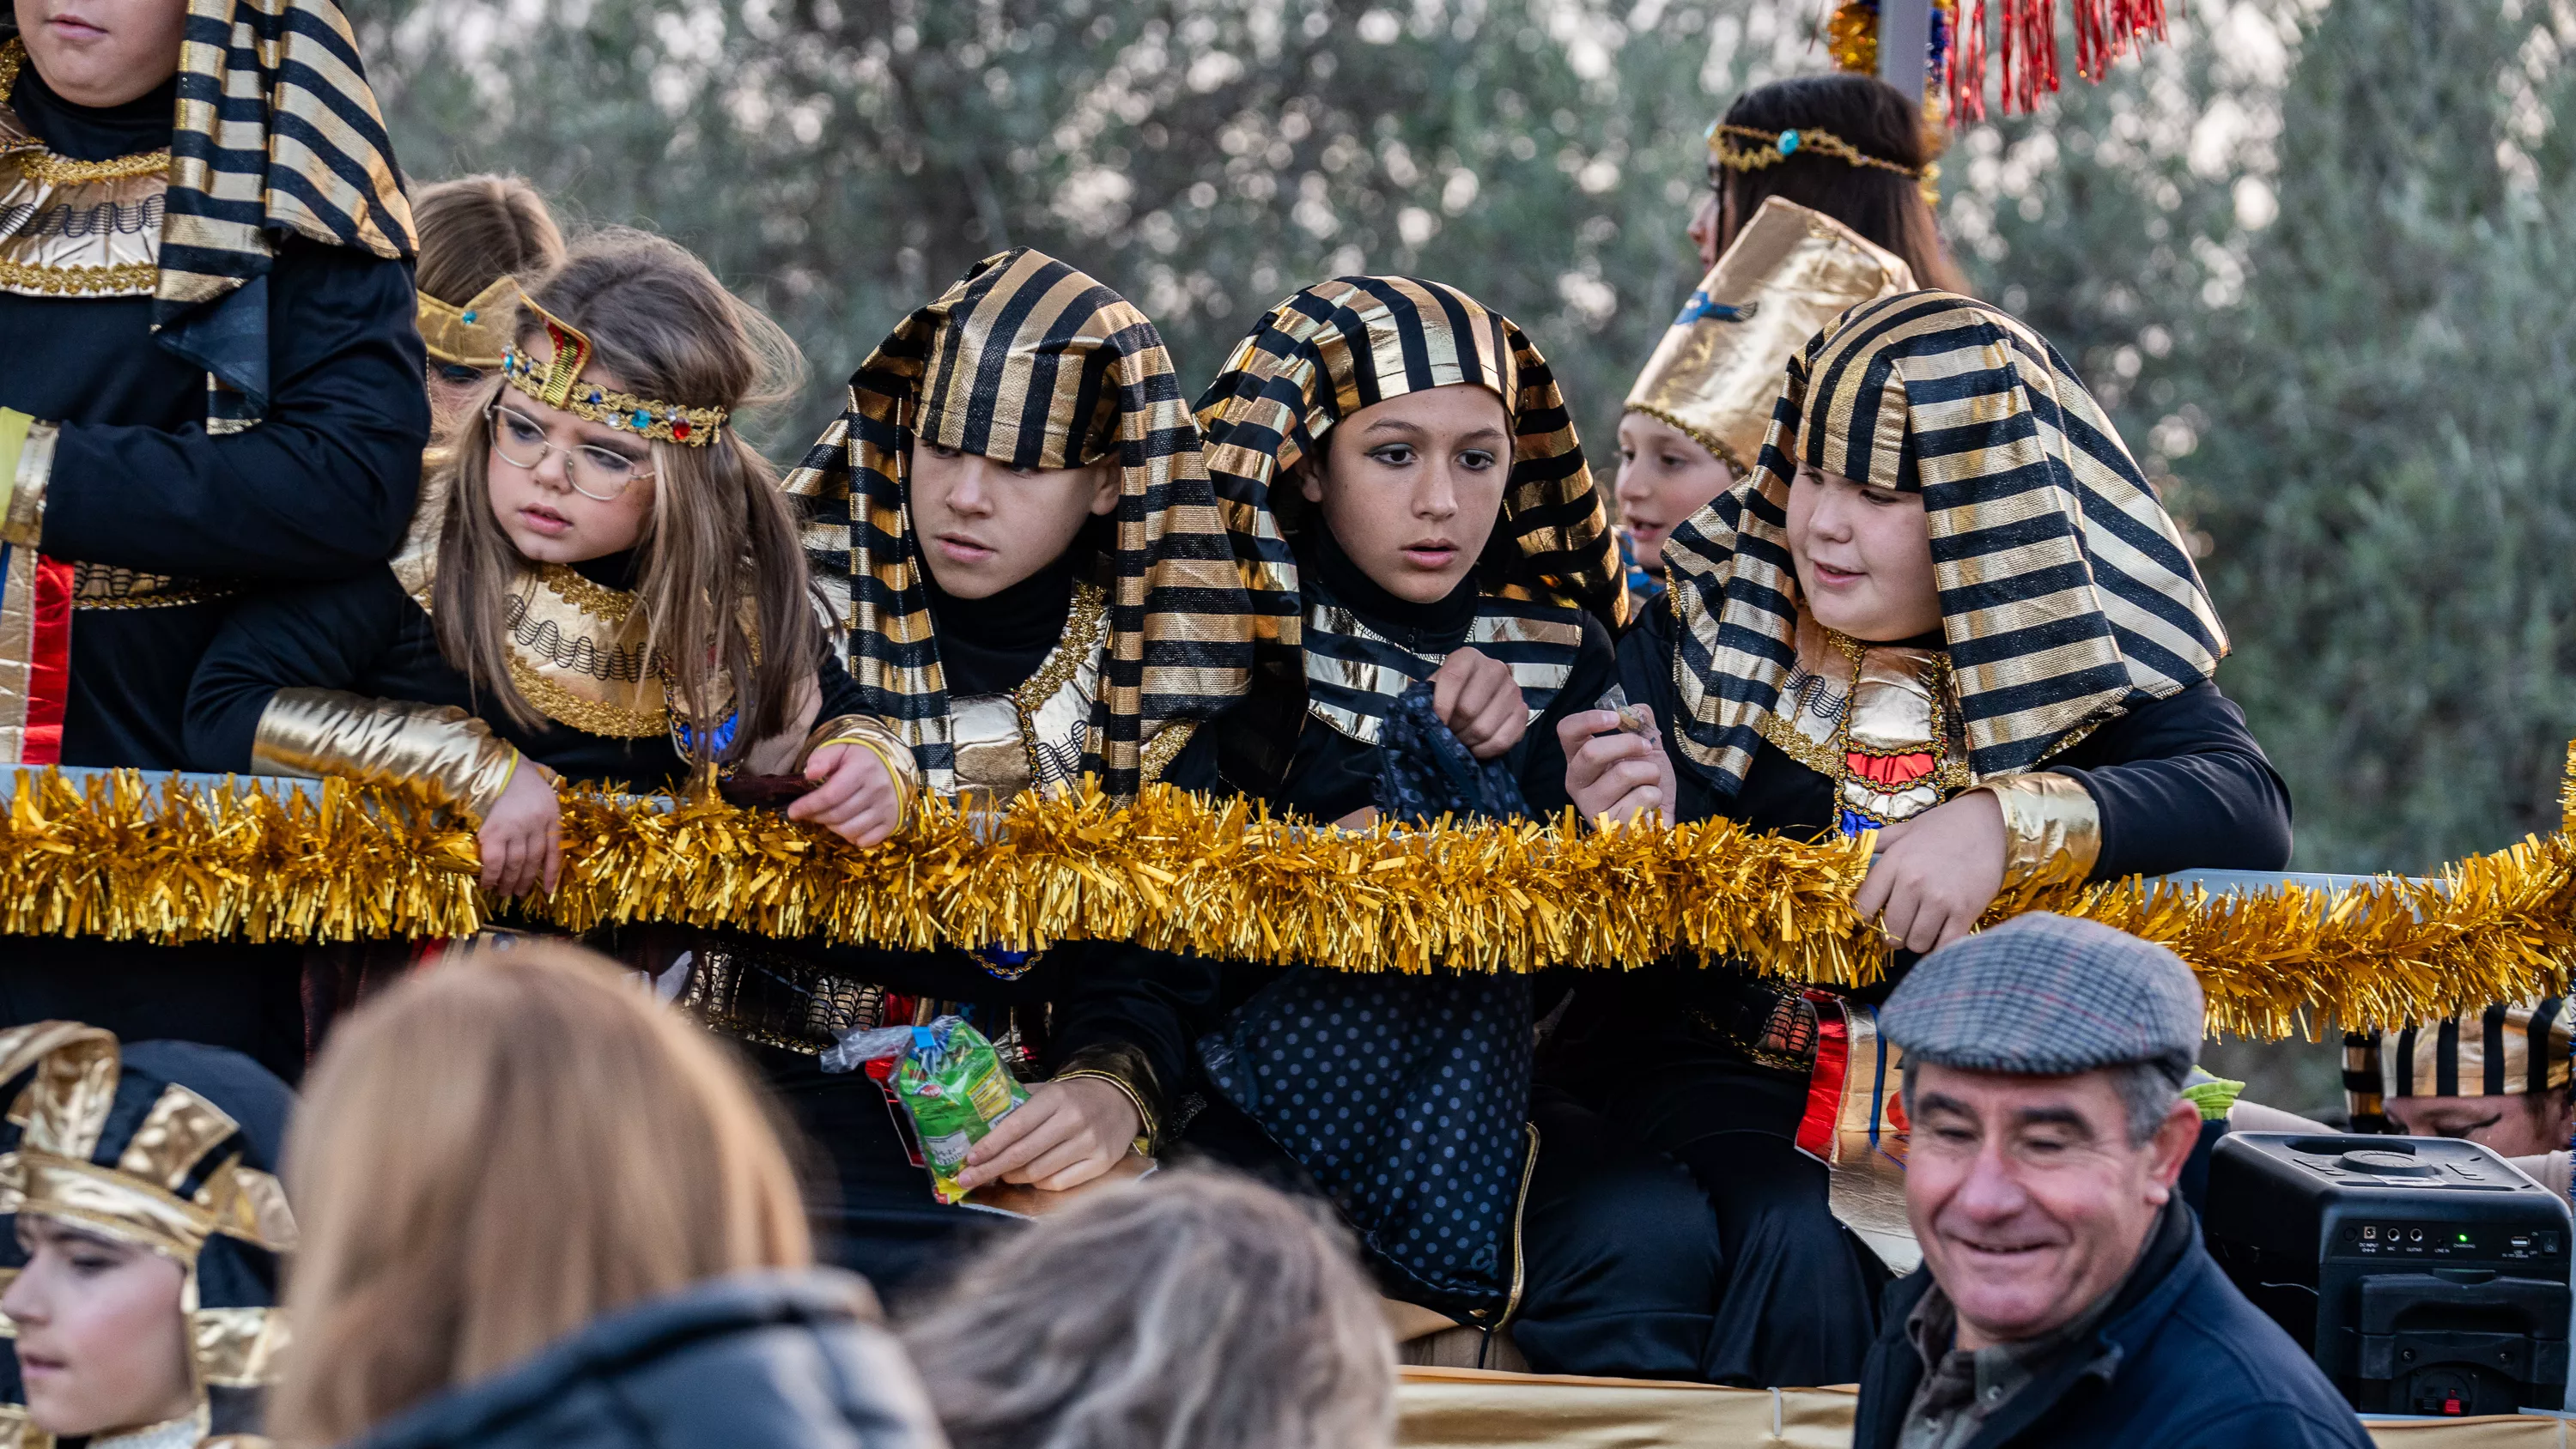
pixel 1190 1308
pixel 2147 1093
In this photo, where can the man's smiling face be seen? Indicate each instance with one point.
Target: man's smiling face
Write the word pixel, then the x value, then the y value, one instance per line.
pixel 2027 1195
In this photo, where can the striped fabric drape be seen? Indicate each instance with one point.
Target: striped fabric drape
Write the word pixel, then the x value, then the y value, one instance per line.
pixel 277 135
pixel 1034 364
pixel 2066 590
pixel 2505 1049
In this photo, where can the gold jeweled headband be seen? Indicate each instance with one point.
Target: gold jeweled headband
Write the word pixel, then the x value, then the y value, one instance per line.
pixel 1777 146
pixel 558 385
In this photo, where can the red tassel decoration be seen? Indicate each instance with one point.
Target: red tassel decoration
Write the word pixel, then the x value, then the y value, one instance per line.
pixel 2029 53
pixel 1966 81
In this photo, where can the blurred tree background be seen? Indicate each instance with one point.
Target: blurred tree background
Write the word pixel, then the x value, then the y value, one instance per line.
pixel 2316 257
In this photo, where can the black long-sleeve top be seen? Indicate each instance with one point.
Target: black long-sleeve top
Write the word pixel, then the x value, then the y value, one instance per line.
pixel 320 489
pixel 366 636
pixel 2179 782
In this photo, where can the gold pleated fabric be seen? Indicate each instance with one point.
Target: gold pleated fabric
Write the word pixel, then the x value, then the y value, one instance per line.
pixel 1033 364
pixel 2067 591
pixel 1788 272
pixel 2507 1049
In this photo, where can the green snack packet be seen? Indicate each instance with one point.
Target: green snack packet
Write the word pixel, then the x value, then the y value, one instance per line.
pixel 955 1087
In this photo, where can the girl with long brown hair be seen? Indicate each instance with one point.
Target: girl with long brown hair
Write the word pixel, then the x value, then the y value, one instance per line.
pixel 538 1207
pixel 1850 146
pixel 611 590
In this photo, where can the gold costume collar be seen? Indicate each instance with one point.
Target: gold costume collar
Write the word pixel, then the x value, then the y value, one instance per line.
pixel 582 654
pixel 75 228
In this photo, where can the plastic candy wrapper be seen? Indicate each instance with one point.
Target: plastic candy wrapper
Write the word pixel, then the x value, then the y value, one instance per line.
pixel 951 1083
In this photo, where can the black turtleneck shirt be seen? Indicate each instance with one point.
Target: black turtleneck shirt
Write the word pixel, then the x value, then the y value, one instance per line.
pixel 366 636
pixel 993 644
pixel 322 488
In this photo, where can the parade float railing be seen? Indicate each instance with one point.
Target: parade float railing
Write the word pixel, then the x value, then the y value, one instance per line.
pixel 177 859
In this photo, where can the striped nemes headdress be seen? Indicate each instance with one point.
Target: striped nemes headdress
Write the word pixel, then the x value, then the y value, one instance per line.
pixel 1354 342
pixel 2503 1050
pixel 2067 594
pixel 278 135
pixel 170 1146
pixel 1033 364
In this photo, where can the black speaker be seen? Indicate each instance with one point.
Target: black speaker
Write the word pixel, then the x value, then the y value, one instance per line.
pixel 2425 1274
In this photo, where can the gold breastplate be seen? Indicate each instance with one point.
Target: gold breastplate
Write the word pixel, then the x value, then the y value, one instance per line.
pixel 1879 720
pixel 77 228
pixel 1035 736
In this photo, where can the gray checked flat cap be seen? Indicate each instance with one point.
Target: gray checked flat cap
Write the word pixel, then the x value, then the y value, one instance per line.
pixel 2044 996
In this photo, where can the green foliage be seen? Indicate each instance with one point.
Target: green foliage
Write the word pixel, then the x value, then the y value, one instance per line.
pixel 843 162
pixel 2312 255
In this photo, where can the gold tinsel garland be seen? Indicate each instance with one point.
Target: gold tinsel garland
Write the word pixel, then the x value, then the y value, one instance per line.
pixel 1177 871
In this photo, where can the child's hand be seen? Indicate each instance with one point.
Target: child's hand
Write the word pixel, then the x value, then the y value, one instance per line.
pixel 1936 873
pixel 1613 771
pixel 1477 698
pixel 857 800
pixel 1064 1135
pixel 522 836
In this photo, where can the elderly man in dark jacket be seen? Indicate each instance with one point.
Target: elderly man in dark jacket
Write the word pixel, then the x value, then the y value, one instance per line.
pixel 2064 1297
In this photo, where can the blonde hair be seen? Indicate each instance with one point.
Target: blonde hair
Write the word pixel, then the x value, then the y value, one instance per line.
pixel 494 1152
pixel 1190 1308
pixel 721 531
pixel 475 230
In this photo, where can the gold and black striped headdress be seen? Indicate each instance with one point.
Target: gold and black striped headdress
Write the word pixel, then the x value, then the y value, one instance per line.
pixel 278 135
pixel 1354 342
pixel 1032 363
pixel 1351 343
pixel 2501 1050
pixel 170 1146
pixel 2067 593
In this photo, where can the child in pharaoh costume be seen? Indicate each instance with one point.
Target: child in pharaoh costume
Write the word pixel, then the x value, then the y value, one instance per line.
pixel 1694 421
pixel 143 1241
pixel 1946 608
pixel 209 383
pixel 1438 592
pixel 557 617
pixel 1014 525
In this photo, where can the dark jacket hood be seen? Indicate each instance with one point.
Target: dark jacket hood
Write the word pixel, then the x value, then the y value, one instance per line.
pixel 770 1360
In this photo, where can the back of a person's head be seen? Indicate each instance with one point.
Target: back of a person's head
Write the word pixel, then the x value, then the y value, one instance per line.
pixel 475 230
pixel 1877 120
pixel 496 1151
pixel 1188 1309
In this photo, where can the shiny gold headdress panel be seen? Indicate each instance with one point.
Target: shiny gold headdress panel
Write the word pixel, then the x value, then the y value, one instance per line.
pixel 170 1146
pixel 1788 272
pixel 1034 364
pixel 559 384
pixel 476 334
pixel 1352 342
pixel 2066 592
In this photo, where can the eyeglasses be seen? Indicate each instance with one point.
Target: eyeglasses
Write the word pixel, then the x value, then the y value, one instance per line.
pixel 593 472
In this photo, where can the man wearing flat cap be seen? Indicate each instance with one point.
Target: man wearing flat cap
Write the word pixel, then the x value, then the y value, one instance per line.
pixel 2064 1297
